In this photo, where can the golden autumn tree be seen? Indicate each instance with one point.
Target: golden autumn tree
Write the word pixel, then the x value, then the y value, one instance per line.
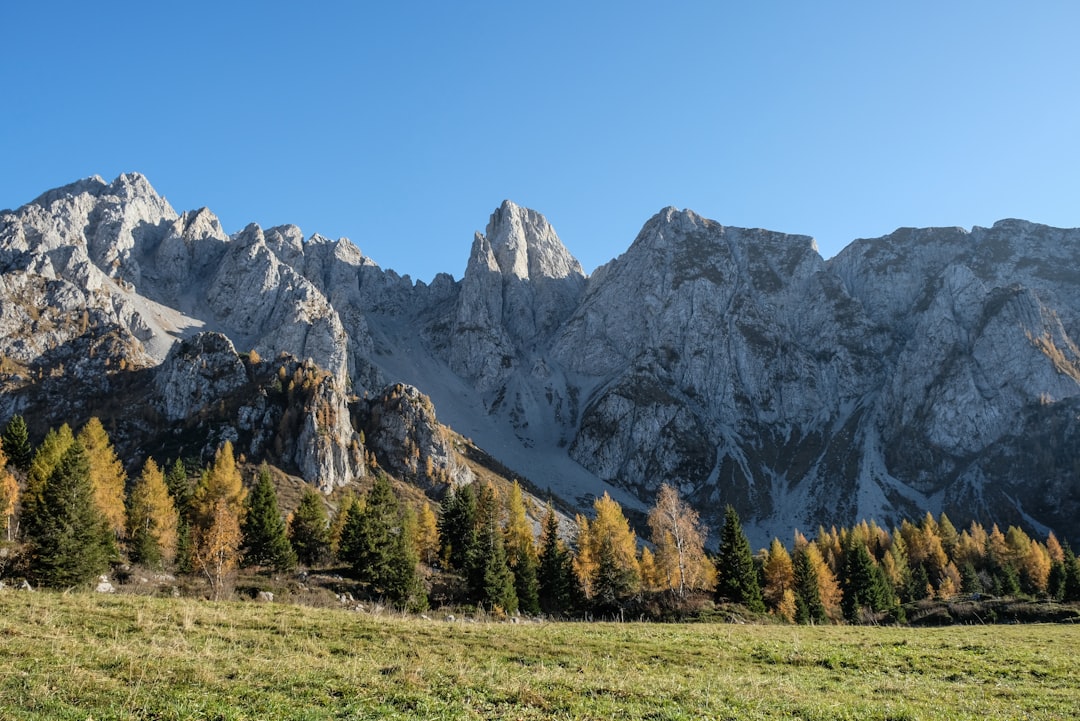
pixel 220 482
pixel 217 546
pixel 217 510
pixel 779 593
pixel 106 474
pixel 521 553
pixel 9 494
pixel 676 532
pixel 606 564
pixel 427 534
pixel 651 578
pixel 828 587
pixel 152 518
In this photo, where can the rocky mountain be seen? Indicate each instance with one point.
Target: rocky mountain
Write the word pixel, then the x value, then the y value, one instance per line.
pixel 932 369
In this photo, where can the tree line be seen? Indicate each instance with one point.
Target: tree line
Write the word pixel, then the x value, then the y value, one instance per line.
pixel 71 510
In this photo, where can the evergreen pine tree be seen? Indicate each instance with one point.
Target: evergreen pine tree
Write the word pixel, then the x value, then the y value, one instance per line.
pixel 180 489
pixel 969 579
pixel 491 582
pixel 71 542
pixel 808 605
pixel 265 540
pixel 738 576
pixel 1071 586
pixel 375 543
pixel 309 529
pixel 46 458
pixel 151 519
pixel 16 443
pixel 457 526
pixel 346 506
pixel 555 573
pixel 864 585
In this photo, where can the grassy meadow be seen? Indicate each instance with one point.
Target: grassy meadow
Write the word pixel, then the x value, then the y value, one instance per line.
pixel 99 657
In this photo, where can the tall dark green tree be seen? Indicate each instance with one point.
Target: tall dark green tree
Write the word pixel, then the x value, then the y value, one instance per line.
pixel 738 576
pixel 265 540
pixel 556 570
pixel 808 605
pixel 309 529
pixel 72 541
pixel 863 583
pixel 16 443
pixel 1071 585
pixel 375 543
pixel 491 582
pixel 176 479
pixel 46 459
pixel 457 526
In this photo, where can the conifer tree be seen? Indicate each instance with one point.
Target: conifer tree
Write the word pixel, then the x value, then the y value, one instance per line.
pixel 152 519
pixel 1071 586
pixel 651 577
pixel 221 481
pixel 15 442
pixel 9 495
pixel 309 529
pixel 216 545
pixel 864 585
pixel 521 554
pixel 265 540
pixel 779 573
pixel 491 582
pixel 679 538
pixel 457 526
pixel 71 541
pixel 427 534
pixel 376 544
pixel 606 563
pixel 738 580
pixel 346 506
pixel 555 573
pixel 180 490
pixel 46 458
pixel 107 475
pixel 808 604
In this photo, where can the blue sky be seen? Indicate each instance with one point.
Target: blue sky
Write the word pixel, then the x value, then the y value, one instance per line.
pixel 403 125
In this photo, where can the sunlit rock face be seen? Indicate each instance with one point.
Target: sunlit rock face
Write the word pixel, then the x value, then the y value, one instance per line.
pixel 931 369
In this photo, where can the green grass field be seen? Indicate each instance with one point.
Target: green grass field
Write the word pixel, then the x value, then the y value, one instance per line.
pixel 128 657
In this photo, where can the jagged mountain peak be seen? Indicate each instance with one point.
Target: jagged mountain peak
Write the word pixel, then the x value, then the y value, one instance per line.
pixel 524 245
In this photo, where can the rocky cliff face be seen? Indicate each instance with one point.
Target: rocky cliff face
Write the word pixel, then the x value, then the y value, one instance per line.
pixel 933 369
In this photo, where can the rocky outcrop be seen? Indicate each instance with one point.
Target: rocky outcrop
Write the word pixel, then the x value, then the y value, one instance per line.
pixel 408 441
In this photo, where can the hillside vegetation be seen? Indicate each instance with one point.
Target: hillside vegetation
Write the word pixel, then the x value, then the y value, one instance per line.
pixel 81 657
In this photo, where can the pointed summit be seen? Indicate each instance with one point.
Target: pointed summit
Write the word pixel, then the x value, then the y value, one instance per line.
pixel 526 246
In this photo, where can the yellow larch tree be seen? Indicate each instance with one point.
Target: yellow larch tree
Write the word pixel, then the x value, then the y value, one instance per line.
pixel 9 494
pixel 217 546
pixel 220 482
pixel 607 564
pixel 1054 549
pixel 107 475
pixel 152 519
pixel 427 534
pixel 779 594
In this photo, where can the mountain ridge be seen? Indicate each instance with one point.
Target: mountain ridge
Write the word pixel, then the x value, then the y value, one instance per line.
pixel 931 369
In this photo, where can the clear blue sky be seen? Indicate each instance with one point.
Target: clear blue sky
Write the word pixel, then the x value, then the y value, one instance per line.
pixel 403 125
